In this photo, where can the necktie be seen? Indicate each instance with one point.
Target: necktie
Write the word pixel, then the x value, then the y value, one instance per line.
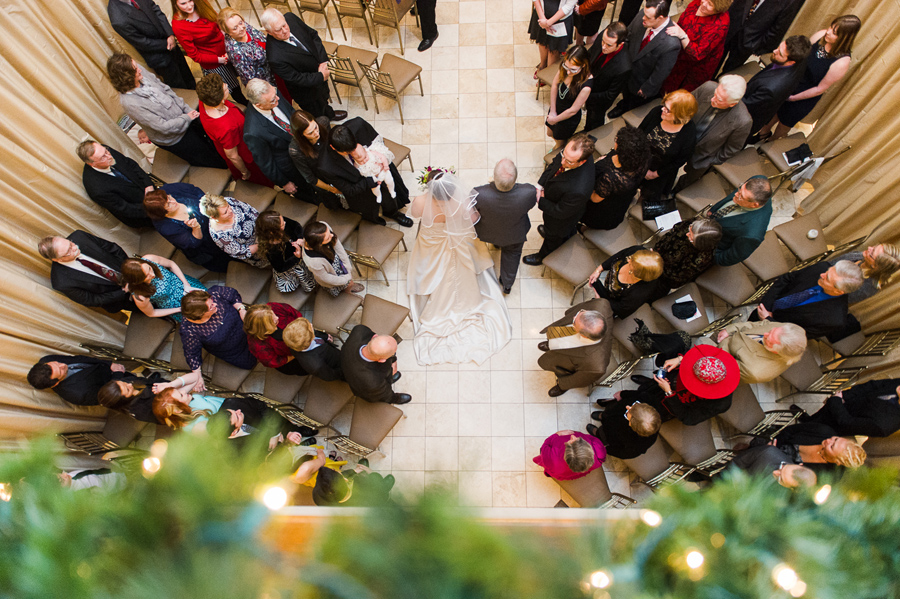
pixel 561 170
pixel 789 301
pixel 647 39
pixel 84 473
pixel 107 273
pixel 758 338
pixel 753 7
pixel 118 174
pixel 723 212
pixel 284 126
pixel 705 121
pixel 298 43
pixel 557 332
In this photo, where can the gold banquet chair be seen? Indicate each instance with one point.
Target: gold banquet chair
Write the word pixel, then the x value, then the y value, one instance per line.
pixel 318 7
pixel 352 8
pixel 384 12
pixel 344 69
pixel 392 78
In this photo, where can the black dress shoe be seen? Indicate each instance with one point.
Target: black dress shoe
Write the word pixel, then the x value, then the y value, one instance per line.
pixel 339 115
pixel 640 379
pixel 596 415
pixel 308 442
pixel 555 391
pixel 396 377
pixel 592 430
pixel 308 432
pixel 533 260
pixel 616 112
pixel 506 289
pixel 544 346
pixel 541 230
pixel 606 401
pixel 402 219
pixel 401 398
pixel 427 43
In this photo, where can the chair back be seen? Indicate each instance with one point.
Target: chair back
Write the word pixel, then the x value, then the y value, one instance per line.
pixel 590 490
pixel 767 261
pixel 282 387
pixel 317 6
pixel 342 71
pixel 382 83
pixel 372 422
pixel 745 411
pixel 693 443
pixel 382 316
pixel 350 8
pixel 652 463
pixel 145 335
pixel 384 12
pixel 804 372
pixel 122 429
pixel 325 399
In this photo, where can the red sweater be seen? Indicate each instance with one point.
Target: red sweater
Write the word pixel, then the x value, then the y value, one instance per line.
pixel 202 40
pixel 271 352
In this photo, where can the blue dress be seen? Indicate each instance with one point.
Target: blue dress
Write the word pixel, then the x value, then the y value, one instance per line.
pixel 222 335
pixel 204 251
pixel 203 402
pixel 170 290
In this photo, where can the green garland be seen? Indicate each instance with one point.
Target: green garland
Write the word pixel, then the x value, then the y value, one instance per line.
pixel 191 530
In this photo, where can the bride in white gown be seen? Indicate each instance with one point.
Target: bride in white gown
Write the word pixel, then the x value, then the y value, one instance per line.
pixel 456 303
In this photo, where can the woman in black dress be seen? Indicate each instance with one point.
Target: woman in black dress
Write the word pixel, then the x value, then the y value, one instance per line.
pixel 551 29
pixel 687 251
pixel 570 90
pixel 827 64
pixel 310 138
pixel 281 242
pixel 618 175
pixel 672 138
pixel 630 280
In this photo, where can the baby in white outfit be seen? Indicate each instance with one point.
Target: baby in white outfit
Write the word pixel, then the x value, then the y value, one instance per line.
pixel 377 166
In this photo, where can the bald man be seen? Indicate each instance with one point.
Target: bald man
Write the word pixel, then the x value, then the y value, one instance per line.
pixel 369 364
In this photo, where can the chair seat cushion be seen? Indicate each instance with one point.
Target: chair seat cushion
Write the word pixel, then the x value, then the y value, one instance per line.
pixel 169 167
pixel 664 308
pixel 572 261
pixel 382 316
pixel 342 222
pixel 635 116
pixel 258 196
pixel 743 165
pixel 795 235
pixel 614 240
pixel 774 150
pixel 708 190
pixel 606 135
pixel 377 241
pixel 331 313
pixel 210 180
pixel 402 71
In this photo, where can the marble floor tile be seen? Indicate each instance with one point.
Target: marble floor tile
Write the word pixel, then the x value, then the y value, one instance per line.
pixel 509 489
pixel 476 489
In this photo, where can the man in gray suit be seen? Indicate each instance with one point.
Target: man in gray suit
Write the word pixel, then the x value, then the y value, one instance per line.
pixel 578 346
pixel 504 206
pixel 723 124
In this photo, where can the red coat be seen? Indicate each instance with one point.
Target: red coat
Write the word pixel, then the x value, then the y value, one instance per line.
pixel 271 352
pixel 202 41
pixel 698 62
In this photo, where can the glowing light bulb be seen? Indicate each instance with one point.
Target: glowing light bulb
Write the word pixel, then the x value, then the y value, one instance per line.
pixel 694 559
pixel 601 579
pixel 275 498
pixel 151 465
pixel 784 576
pixel 822 494
pixel 799 589
pixel 158 448
pixel 5 492
pixel 651 518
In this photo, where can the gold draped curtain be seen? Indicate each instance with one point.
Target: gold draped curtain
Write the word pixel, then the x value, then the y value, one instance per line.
pixel 54 95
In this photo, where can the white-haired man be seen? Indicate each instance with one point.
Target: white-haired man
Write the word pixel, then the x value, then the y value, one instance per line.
pixel 814 298
pixel 504 205
pixel 296 54
pixel 763 350
pixel 723 124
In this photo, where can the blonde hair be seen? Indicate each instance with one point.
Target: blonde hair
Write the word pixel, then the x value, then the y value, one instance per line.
pixel 298 334
pixel 579 455
pixel 259 321
pixel 886 265
pixel 210 204
pixel 646 265
pixel 852 457
pixel 645 420
pixel 684 105
pixel 223 16
pixel 721 6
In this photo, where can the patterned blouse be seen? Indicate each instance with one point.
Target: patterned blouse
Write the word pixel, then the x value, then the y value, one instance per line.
pixel 682 262
pixel 237 240
pixel 249 58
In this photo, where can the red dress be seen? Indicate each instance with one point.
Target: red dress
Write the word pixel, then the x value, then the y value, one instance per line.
pixel 698 62
pixel 202 41
pixel 271 352
pixel 227 131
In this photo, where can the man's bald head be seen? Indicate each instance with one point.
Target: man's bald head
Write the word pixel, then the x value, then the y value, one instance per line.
pixel 381 347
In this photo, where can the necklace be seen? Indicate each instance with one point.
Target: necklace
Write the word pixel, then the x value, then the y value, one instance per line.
pixel 562 93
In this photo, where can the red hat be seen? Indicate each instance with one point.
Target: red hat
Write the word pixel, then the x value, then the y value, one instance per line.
pixel 709 372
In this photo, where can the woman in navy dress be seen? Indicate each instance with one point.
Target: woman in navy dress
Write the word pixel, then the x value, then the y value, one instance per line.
pixel 213 320
pixel 827 64
pixel 175 212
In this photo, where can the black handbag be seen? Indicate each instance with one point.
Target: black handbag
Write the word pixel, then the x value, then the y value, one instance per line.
pixel 650 209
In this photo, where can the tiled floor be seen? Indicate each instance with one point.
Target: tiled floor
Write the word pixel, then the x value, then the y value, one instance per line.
pixel 473 430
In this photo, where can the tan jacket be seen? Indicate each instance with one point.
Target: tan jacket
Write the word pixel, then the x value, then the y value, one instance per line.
pixel 324 272
pixel 757 364
pixel 581 366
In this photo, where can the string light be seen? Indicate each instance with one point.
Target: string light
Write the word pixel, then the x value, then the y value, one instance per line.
pixel 822 494
pixel 601 579
pixel 158 448
pixel 5 492
pixel 694 559
pixel 275 498
pixel 799 589
pixel 784 576
pixel 651 518
pixel 151 466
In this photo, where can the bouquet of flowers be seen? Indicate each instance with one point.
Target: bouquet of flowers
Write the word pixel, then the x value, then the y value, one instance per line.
pixel 430 171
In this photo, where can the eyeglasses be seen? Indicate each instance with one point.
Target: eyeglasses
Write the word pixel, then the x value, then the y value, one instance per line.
pixel 666 108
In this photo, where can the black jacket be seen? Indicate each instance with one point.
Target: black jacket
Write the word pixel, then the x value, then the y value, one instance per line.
pixel 88 289
pixel 145 29
pixel 268 143
pixel 768 90
pixel 338 171
pixel 565 196
pixel 256 415
pixel 650 66
pixel 621 440
pixel 763 30
pixel 678 152
pixel 610 80
pixel 123 198
pixel 369 380
pixel 323 362
pixel 300 68
pixel 871 409
pixel 81 388
pixel 827 318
